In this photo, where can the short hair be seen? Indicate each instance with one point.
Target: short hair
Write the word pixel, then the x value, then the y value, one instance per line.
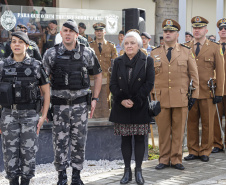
pixel 136 36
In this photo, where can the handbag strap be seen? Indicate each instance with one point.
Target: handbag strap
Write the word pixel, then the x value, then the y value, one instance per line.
pixel 154 83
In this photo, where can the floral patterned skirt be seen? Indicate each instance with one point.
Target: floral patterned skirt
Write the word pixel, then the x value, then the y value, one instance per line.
pixel 131 129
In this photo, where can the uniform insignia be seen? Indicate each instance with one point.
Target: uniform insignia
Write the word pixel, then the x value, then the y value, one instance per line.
pixel 77 56
pixel 192 55
pixel 169 23
pixel 27 71
pixel 214 42
pixel 18 94
pixel 30 47
pixel 2 51
pixel 223 20
pixel 221 52
pixel 156 47
pixel 185 46
pixel 198 19
pixel 10 71
pixel 8 20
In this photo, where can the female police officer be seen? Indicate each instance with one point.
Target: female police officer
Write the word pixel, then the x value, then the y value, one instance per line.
pixel 20 78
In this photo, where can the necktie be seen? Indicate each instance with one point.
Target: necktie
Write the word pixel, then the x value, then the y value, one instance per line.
pixel 197 49
pixel 223 46
pixel 100 48
pixel 169 53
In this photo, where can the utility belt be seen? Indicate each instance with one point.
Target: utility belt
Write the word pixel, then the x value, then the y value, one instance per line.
pixel 21 106
pixel 61 101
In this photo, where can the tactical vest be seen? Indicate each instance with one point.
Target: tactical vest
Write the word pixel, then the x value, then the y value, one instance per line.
pixel 50 42
pixel 25 85
pixel 69 71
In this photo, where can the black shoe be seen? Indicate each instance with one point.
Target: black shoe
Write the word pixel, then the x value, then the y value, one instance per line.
pixel 24 181
pixel 14 181
pixel 204 158
pixel 216 150
pixel 161 166
pixel 138 176
pixel 62 178
pixel 191 157
pixel 76 179
pixel 178 166
pixel 127 176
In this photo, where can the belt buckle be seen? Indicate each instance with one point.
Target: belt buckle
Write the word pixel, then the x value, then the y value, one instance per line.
pixel 14 107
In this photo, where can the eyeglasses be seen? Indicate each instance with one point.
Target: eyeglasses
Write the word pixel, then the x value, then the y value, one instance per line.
pixel 221 28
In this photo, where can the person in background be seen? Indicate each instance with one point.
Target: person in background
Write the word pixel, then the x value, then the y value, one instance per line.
pixel 212 38
pixel 188 36
pixel 131 82
pixel 120 39
pixel 82 29
pixel 161 40
pixel 146 38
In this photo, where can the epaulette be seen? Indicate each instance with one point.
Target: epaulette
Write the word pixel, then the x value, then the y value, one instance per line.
pixel 111 42
pixel 185 46
pixel 156 47
pixel 215 42
pixel 91 42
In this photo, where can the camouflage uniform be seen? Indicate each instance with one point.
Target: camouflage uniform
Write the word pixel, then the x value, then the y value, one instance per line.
pixel 70 121
pixel 19 137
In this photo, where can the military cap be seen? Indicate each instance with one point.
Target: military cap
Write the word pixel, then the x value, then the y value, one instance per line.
pixel 146 35
pixel 170 24
pixel 133 30
pixel 99 26
pixel 53 21
pixel 188 33
pixel 82 25
pixel 122 32
pixel 71 25
pixel 22 26
pixel 221 23
pixel 21 35
pixel 199 21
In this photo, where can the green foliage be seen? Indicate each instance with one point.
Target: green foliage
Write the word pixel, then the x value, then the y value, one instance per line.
pixel 153 153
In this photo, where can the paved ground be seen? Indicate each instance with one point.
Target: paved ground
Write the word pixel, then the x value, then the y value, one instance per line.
pixel 196 172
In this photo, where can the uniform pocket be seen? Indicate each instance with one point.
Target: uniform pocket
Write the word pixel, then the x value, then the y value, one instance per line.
pixel 209 62
pixel 158 67
pixel 182 66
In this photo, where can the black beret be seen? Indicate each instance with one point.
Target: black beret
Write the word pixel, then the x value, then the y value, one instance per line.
pixel 82 25
pixel 22 26
pixel 53 21
pixel 21 35
pixel 188 33
pixel 122 32
pixel 71 25
pixel 146 35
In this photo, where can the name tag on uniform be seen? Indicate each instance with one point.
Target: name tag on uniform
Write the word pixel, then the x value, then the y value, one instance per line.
pixel 10 71
pixel 64 57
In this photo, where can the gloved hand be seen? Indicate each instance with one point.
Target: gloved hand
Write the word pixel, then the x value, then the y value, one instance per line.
pixel 191 103
pixel 217 99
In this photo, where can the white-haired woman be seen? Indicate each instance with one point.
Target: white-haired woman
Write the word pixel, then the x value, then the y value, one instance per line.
pixel 131 82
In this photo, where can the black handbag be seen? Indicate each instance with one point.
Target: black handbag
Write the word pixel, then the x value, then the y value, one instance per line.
pixel 154 107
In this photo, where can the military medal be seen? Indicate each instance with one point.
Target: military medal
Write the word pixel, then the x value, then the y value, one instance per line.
pixel 77 56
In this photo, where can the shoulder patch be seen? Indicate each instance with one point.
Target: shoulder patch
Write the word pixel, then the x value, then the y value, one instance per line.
pixel 185 46
pixel 156 47
pixel 215 42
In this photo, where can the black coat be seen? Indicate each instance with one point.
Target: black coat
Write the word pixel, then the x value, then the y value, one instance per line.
pixel 141 84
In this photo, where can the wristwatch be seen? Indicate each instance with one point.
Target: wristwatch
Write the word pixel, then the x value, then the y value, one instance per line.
pixel 97 99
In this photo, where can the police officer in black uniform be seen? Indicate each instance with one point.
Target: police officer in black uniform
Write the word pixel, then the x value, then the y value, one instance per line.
pixel 21 79
pixel 32 50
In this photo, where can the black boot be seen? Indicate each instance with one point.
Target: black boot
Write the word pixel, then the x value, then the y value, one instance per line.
pixel 14 181
pixel 138 176
pixel 75 179
pixel 62 178
pixel 127 176
pixel 24 181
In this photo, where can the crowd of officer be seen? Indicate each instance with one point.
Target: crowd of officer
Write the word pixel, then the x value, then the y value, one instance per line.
pixel 25 80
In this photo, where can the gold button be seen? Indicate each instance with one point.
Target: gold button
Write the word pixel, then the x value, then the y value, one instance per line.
pixel 169 80
pixel 197 59
pixel 209 59
pixel 100 55
pixel 169 72
pixel 169 65
pixel 169 87
pixel 100 60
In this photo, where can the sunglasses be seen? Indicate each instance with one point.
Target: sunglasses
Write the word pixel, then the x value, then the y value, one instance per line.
pixel 221 28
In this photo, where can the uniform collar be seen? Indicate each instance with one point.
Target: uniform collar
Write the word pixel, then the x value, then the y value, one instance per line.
pixel 167 47
pixel 202 43
pixel 62 49
pixel 11 61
